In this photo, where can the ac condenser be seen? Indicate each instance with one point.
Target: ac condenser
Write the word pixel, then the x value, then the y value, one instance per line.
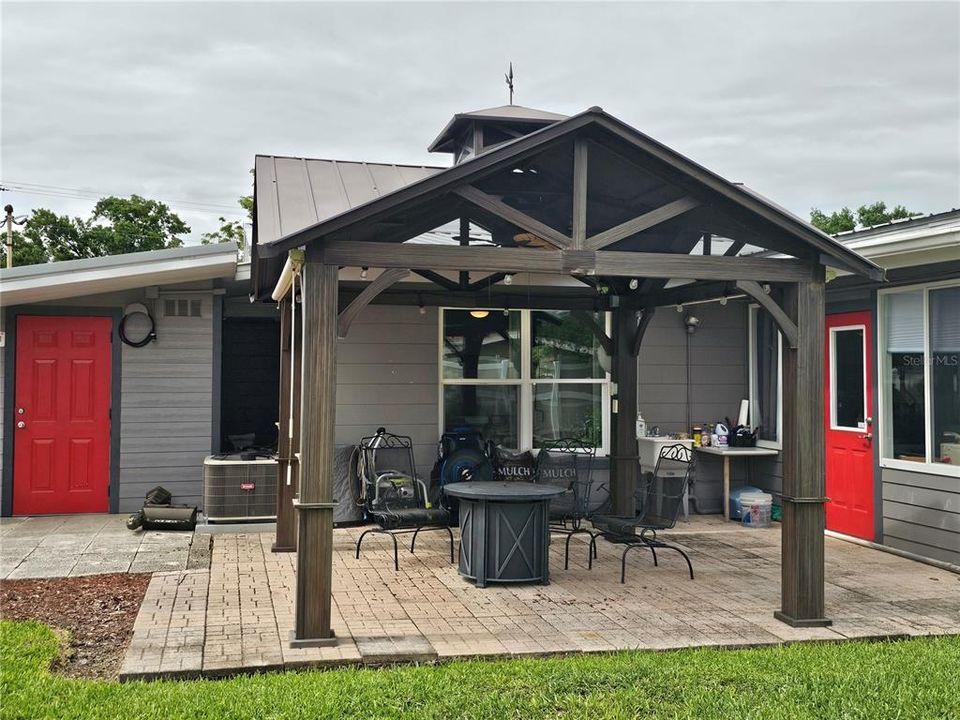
pixel 237 490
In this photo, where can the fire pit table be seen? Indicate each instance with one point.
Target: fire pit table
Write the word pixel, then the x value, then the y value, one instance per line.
pixel 504 531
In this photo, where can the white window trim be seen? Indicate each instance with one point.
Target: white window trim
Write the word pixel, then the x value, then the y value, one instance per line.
pixel 752 375
pixel 928 466
pixel 832 410
pixel 526 382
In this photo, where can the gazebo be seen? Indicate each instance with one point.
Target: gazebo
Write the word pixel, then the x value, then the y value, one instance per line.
pixel 626 223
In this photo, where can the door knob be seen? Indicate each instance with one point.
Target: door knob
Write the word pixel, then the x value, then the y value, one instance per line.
pixel 867 436
pixel 21 424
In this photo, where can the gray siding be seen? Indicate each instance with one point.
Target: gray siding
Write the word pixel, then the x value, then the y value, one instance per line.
pixel 166 409
pixel 387 375
pixel 921 514
pixel 718 381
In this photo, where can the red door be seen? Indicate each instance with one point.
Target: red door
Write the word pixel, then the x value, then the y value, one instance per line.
pixel 849 436
pixel 61 461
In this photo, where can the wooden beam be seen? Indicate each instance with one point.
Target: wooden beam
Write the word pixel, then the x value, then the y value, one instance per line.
pixel 366 296
pixel 484 283
pixel 645 319
pixel 499 208
pixel 804 486
pixel 315 503
pixel 691 292
pixel 734 248
pixel 783 321
pixel 438 279
pixel 579 220
pixel 606 263
pixel 640 223
pixel 624 463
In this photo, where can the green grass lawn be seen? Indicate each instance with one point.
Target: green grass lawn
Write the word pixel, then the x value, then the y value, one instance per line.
pixel 909 679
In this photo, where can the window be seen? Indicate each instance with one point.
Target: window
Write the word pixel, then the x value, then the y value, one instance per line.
pixel 522 377
pixel 766 383
pixel 920 378
pixel 848 381
pixel 182 307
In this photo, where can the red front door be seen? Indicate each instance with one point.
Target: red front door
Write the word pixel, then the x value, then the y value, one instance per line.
pixel 61 415
pixel 849 427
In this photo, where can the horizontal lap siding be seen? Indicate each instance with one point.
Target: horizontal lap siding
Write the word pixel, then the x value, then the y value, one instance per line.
pixel 718 381
pixel 167 409
pixel 921 513
pixel 387 376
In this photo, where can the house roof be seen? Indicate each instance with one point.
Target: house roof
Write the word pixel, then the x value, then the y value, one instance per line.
pixel 504 113
pixel 439 185
pixel 91 276
pixel 294 193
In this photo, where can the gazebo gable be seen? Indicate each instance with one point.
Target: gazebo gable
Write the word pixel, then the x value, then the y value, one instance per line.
pixel 588 183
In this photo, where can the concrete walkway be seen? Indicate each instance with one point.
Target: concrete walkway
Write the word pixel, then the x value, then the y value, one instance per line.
pixel 61 546
pixel 236 617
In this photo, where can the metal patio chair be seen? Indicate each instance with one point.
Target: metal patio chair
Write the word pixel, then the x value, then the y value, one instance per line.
pixel 394 496
pixel 659 499
pixel 567 463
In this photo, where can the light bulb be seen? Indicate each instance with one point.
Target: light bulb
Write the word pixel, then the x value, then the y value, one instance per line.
pixel 634 284
pixel 508 280
pixel 363 273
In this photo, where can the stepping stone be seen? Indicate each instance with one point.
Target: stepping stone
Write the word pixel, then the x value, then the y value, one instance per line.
pixel 395 649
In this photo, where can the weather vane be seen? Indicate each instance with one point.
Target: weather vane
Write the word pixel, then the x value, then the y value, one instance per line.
pixel 509 78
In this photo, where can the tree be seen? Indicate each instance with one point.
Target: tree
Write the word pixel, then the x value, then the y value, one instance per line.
pixel 836 222
pixel 25 250
pixel 843 220
pixel 229 231
pixel 116 226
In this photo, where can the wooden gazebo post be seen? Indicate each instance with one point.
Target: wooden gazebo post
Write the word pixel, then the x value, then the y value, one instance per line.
pixel 288 438
pixel 315 502
pixel 804 482
pixel 624 463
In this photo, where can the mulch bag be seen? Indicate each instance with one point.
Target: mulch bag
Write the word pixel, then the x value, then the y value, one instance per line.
pixel 513 465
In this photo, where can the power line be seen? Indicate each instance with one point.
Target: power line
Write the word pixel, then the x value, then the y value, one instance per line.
pixel 87 194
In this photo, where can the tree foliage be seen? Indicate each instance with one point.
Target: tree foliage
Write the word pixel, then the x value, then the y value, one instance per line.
pixel 116 226
pixel 230 231
pixel 844 219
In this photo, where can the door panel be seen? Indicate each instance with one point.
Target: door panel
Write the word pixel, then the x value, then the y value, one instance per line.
pixel 849 427
pixel 61 461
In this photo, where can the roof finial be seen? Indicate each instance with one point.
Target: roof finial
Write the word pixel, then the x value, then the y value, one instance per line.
pixel 509 79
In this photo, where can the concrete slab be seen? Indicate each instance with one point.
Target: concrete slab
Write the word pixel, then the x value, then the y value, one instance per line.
pixel 43 547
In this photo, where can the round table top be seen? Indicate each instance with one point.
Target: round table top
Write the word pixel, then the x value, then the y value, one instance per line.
pixel 492 490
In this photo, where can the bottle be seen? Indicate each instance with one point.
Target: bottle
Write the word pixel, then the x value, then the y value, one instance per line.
pixel 641 426
pixel 697 432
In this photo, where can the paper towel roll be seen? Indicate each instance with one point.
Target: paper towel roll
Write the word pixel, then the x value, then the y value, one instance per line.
pixel 744 409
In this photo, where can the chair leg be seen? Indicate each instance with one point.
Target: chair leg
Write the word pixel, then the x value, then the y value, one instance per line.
pixel 654 551
pixel 685 557
pixel 413 542
pixel 592 551
pixel 450 533
pixel 396 553
pixel 360 540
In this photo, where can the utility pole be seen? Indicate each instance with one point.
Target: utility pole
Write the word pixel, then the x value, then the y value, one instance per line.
pixel 9 211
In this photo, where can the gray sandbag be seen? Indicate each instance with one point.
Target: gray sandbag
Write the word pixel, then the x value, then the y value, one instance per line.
pixel 345 488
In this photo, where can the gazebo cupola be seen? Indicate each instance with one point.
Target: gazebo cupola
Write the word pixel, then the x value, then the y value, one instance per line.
pixel 471 133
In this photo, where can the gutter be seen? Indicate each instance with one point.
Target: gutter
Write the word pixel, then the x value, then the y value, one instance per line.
pixel 290 268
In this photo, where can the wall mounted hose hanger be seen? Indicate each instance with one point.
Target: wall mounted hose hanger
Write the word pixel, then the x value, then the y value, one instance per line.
pixel 133 310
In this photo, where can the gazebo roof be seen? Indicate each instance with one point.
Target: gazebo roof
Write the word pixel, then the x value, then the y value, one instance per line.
pixel 504 113
pixel 633 171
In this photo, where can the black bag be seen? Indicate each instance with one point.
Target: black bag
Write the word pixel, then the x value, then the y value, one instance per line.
pixel 158 496
pixel 169 517
pixel 513 465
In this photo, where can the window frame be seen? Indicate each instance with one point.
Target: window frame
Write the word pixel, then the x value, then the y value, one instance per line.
pixel 885 437
pixel 831 409
pixel 526 382
pixel 752 310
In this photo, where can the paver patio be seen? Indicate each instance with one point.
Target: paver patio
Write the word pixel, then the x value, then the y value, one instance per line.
pixel 71 545
pixel 236 616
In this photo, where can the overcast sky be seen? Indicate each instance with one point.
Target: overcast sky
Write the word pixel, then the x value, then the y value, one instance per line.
pixel 825 104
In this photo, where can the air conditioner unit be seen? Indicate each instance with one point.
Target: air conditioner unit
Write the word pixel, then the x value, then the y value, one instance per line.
pixel 237 490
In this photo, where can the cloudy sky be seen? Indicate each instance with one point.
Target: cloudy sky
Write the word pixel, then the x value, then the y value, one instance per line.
pixel 812 104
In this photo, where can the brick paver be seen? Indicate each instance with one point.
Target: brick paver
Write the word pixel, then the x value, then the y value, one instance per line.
pixel 237 617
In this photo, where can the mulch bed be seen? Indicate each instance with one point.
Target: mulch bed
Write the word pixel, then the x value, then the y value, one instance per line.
pixel 96 611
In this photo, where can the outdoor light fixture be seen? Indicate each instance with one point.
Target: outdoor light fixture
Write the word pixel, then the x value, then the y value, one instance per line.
pixel 692 322
pixel 766 288
pixel 508 279
pixel 363 272
pixel 680 308
pixel 479 314
pixel 634 284
pixel 723 300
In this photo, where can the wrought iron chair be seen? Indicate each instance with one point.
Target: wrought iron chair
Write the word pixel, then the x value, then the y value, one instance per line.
pixel 567 463
pixel 394 496
pixel 659 502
